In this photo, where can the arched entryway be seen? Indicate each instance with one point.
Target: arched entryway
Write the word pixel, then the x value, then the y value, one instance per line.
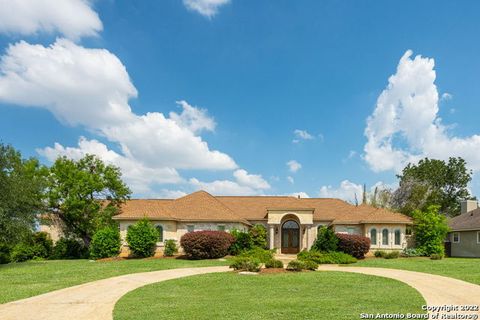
pixel 290 237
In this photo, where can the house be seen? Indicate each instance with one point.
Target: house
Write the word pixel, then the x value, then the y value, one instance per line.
pixel 464 236
pixel 291 222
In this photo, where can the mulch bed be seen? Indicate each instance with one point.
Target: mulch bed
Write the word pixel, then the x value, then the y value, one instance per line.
pixel 272 270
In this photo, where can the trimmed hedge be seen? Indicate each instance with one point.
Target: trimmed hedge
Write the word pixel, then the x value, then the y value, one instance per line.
pixel 326 257
pixel 170 248
pixel 105 243
pixel 299 265
pixel 273 263
pixel 206 244
pixel 355 245
pixel 261 254
pixel 142 238
pixel 246 264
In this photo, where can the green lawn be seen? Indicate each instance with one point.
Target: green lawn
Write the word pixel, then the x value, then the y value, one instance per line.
pixel 460 268
pixel 307 295
pixel 26 279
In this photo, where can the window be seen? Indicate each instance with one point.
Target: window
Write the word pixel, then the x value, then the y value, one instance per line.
pixel 456 237
pixel 160 233
pixel 373 236
pixel 190 228
pixel 221 227
pixel 351 230
pixel 385 237
pixel 408 231
pixel 397 237
pixel 478 237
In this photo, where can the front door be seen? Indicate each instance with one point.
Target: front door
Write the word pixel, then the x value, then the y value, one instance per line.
pixel 290 237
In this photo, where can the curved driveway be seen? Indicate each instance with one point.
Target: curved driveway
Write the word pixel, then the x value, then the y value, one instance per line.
pixel 96 300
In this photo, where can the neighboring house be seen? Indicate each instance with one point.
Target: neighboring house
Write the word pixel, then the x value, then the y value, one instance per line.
pixel 291 222
pixel 464 238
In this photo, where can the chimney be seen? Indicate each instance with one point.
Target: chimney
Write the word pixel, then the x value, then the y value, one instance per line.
pixel 468 205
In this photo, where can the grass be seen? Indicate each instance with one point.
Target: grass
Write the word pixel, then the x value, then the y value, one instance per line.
pixel 306 295
pixel 26 279
pixel 460 268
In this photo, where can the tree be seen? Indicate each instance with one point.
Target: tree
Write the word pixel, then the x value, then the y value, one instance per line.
pixel 258 233
pixel 430 229
pixel 326 241
pixel 21 195
pixel 83 195
pixel 434 182
pixel 142 238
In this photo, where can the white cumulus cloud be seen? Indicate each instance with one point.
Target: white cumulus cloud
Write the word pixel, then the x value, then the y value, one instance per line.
pixel 251 180
pixel 207 8
pixel 293 166
pixel 71 18
pixel 346 191
pixel 301 135
pixel 405 125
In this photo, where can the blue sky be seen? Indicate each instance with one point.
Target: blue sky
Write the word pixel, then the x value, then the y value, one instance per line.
pixel 253 86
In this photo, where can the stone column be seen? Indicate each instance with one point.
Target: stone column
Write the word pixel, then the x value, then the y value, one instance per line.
pixel 272 236
pixel 309 237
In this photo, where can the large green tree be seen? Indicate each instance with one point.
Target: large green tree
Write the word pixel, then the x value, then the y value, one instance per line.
pixel 433 182
pixel 83 195
pixel 430 229
pixel 22 183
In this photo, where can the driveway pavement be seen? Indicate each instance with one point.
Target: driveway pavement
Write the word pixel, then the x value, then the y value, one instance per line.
pixel 96 300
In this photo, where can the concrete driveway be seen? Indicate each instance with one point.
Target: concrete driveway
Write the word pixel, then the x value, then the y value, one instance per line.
pixel 96 300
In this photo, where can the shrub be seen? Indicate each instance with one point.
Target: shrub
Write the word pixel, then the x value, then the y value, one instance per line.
pixel 4 254
pixel 170 248
pixel 246 263
pixel 258 253
pixel 355 245
pixel 105 243
pixel 243 241
pixel 258 234
pixel 206 244
pixel 392 255
pixel 69 248
pixel 296 265
pixel 436 256
pixel 142 238
pixel 412 252
pixel 274 263
pixel 430 230
pixel 326 240
pixel 310 265
pixel 42 244
pixel 22 252
pixel 326 258
pixel 379 253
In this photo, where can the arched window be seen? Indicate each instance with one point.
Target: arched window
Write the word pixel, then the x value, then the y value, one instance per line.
pixel 385 237
pixel 373 236
pixel 397 237
pixel 160 233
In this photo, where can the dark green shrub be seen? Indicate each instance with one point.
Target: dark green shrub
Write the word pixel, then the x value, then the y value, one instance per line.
pixel 243 241
pixel 42 244
pixel 310 265
pixel 258 233
pixel 4 254
pixel 245 263
pixel 326 240
pixel 412 252
pixel 273 263
pixel 258 253
pixel 206 244
pixel 392 255
pixel 142 238
pixel 296 265
pixel 105 243
pixel 22 252
pixel 379 253
pixel 340 258
pixel 355 245
pixel 436 256
pixel 170 248
pixel 68 248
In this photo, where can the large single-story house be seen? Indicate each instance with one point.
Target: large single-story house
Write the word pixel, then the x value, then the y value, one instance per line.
pixel 464 237
pixel 291 222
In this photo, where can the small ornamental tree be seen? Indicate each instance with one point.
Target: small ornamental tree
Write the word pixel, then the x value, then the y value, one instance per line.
pixel 430 230
pixel 142 238
pixel 105 243
pixel 355 245
pixel 326 240
pixel 206 244
pixel 170 248
pixel 258 233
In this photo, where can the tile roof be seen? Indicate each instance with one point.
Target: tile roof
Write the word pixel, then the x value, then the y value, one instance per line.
pixel 466 221
pixel 202 206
